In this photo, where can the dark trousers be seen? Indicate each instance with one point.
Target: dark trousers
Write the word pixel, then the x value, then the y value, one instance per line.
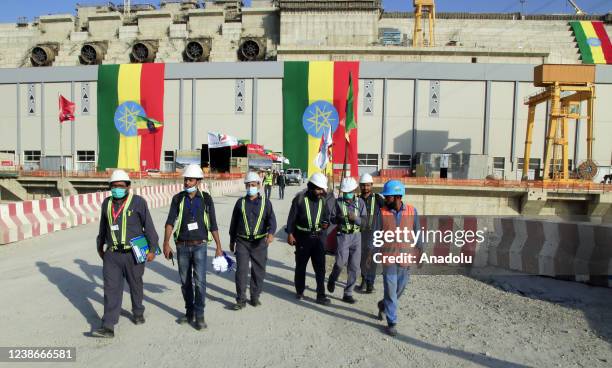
pixel 281 191
pixel 257 253
pixel 267 191
pixel 309 248
pixel 115 267
pixel 368 266
pixel 192 270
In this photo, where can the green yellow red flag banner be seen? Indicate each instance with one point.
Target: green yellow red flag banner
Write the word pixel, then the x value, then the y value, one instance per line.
pixel 305 83
pixel 126 93
pixel 593 42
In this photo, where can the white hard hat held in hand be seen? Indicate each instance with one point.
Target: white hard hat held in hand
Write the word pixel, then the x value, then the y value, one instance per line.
pixel 193 171
pixel 119 175
pixel 366 179
pixel 348 185
pixel 251 177
pixel 319 180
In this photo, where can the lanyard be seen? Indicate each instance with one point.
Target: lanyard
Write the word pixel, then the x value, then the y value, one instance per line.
pixel 116 214
pixel 193 210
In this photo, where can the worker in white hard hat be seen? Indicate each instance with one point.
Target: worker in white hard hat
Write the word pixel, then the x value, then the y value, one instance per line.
pixel 281 181
pixel 192 221
pixel 268 181
pixel 308 217
pixel 251 231
pixel 373 203
pixel 347 213
pixel 125 220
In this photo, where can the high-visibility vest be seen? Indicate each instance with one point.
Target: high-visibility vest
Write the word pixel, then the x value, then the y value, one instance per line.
pixel 268 179
pixel 389 224
pixel 316 226
pixel 255 234
pixel 109 215
pixel 179 220
pixel 346 226
pixel 372 210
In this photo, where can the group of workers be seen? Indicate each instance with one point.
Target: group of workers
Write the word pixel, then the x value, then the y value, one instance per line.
pixel 192 223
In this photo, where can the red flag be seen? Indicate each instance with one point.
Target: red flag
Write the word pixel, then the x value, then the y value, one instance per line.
pixel 66 109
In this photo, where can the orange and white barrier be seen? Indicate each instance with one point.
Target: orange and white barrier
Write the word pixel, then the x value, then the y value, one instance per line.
pixel 28 219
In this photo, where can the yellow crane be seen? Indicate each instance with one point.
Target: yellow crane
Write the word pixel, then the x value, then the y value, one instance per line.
pixel 566 86
pixel 424 8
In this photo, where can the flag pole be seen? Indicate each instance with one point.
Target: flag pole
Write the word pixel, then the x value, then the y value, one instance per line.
pixel 61 149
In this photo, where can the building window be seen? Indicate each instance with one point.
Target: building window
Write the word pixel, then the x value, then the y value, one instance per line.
pixel 31 156
pixel 558 163
pixel 367 159
pixel 11 152
pixel 499 163
pixel 399 160
pixel 86 156
pixel 168 156
pixel 534 163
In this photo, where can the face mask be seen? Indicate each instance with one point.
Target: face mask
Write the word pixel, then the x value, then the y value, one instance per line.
pixel 349 195
pixel 252 191
pixel 118 193
pixel 191 189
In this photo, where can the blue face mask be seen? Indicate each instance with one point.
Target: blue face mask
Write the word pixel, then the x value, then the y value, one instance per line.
pixel 349 195
pixel 118 193
pixel 252 191
pixel 191 190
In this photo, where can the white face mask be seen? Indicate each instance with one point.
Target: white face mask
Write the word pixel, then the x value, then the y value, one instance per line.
pixel 191 189
pixel 251 191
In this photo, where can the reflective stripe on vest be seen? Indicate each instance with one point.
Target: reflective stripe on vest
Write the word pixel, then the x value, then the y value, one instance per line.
pixel 177 228
pixel 316 226
pixel 246 222
pixel 109 215
pixel 347 226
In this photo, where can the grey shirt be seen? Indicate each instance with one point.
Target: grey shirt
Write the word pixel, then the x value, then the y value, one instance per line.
pixel 139 222
pixel 356 203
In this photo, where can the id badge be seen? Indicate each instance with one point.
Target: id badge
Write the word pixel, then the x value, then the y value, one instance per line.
pixel 115 227
pixel 192 226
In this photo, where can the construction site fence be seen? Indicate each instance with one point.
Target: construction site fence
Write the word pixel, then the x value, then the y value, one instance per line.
pixel 493 183
pixel 134 174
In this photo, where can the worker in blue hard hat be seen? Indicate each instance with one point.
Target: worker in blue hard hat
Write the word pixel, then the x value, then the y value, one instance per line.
pixel 396 271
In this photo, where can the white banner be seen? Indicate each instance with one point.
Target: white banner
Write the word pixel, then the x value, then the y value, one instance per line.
pixel 216 140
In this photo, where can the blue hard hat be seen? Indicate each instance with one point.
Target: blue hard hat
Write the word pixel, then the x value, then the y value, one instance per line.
pixel 393 188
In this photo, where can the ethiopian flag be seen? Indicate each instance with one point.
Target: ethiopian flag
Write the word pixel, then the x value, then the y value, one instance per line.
pixel 593 42
pixel 128 93
pixel 306 84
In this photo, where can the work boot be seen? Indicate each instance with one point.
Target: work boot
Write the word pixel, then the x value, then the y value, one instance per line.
pixel 255 302
pixel 349 299
pixel 391 330
pixel 104 332
pixel 381 310
pixel 369 288
pixel 187 318
pixel 138 320
pixel 331 285
pixel 239 305
pixel 323 300
pixel 200 323
pixel 299 296
pixel 360 286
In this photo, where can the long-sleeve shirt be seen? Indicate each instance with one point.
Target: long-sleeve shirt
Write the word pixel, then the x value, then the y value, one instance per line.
pixel 354 205
pixel 416 226
pixel 252 209
pixel 193 211
pixel 373 203
pixel 297 213
pixel 139 222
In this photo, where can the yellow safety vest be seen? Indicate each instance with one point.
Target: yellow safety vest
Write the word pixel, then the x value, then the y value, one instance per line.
pixel 109 215
pixel 316 226
pixel 179 220
pixel 255 234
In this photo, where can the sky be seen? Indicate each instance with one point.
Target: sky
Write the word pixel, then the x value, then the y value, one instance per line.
pixel 10 10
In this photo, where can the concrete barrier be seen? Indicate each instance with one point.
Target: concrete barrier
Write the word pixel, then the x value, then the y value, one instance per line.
pixel 28 219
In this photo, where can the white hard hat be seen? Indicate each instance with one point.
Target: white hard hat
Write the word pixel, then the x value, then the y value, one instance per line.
pixel 119 175
pixel 193 171
pixel 319 180
pixel 366 179
pixel 252 176
pixel 348 185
